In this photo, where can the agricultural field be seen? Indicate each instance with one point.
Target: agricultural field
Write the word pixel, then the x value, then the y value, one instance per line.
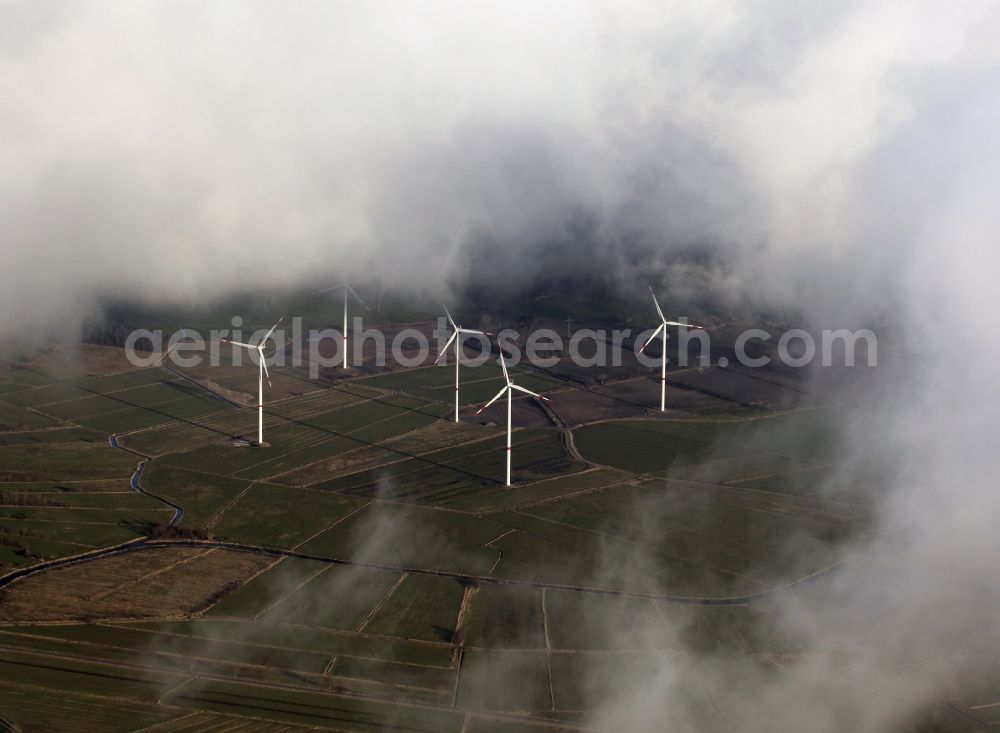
pixel 368 570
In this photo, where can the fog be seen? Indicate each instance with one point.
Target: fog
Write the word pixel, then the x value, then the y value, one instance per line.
pixel 173 151
pixel 840 159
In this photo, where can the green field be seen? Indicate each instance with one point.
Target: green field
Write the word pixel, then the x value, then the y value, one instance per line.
pixel 423 607
pixel 435 598
pixel 716 451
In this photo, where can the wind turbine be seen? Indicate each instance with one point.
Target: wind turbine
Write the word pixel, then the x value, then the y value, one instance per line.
pixel 509 388
pixel 456 333
pixel 163 357
pixel 662 328
pixel 347 290
pixel 260 379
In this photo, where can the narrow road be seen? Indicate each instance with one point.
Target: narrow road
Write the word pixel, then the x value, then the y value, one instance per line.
pixel 148 544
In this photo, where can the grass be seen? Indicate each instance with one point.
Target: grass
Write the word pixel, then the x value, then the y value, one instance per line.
pixel 256 596
pixel 477 384
pixel 58 707
pixel 315 709
pixel 274 633
pixel 74 486
pixel 188 722
pixel 588 623
pixel 60 435
pixel 27 377
pixel 120 402
pixel 282 516
pixel 647 446
pixel 423 607
pixel 47 394
pixel 487 724
pixel 733 630
pixel 507 497
pixel 128 645
pixel 367 470
pixel 296 636
pixel 542 550
pixel 295 440
pixel 59 462
pixel 47 520
pixel 15 417
pixel 863 485
pixel 339 597
pixel 505 617
pixel 436 436
pixel 454 476
pixel 681 448
pixel 83 676
pixel 693 539
pixel 218 427
pixel 505 680
pixel 582 680
pixel 52 536
pixel 202 495
pixel 440 681
pixel 412 536
pixel 8 387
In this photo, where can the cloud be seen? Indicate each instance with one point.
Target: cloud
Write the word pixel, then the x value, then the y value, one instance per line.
pixel 179 151
pixel 840 158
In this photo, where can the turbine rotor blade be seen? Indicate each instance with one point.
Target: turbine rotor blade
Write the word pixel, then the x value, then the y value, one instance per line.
pixel 237 343
pixel 472 330
pixel 685 325
pixel 503 364
pixel 499 395
pixel 165 355
pixel 657 304
pixel 528 391
pixel 444 349
pixel 268 334
pixel 650 339
pixel 169 351
pixel 263 364
pixel 450 319
pixel 351 291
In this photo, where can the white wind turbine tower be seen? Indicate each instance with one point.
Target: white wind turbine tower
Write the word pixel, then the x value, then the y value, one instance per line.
pixel 456 337
pixel 262 368
pixel 662 328
pixel 509 388
pixel 347 290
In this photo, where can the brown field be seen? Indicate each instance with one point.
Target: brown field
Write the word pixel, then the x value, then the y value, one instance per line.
pixel 83 360
pixel 155 583
pixel 328 350
pixel 634 398
pixel 525 413
pixel 738 387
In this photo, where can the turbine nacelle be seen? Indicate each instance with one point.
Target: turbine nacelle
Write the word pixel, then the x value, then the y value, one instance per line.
pixel 664 323
pixel 510 386
pixel 347 290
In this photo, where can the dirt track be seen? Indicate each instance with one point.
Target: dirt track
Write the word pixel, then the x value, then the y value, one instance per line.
pixel 146 544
